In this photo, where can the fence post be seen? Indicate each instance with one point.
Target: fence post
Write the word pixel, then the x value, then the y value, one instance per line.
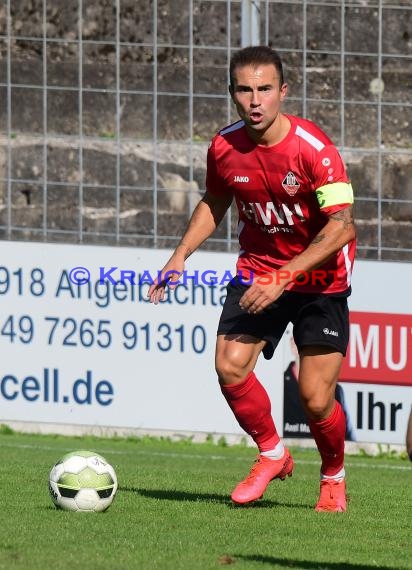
pixel 250 22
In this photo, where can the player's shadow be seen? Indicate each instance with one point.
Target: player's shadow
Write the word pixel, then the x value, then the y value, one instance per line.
pixel 305 564
pixel 175 495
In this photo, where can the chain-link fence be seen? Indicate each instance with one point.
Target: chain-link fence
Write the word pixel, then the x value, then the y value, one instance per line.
pixel 107 108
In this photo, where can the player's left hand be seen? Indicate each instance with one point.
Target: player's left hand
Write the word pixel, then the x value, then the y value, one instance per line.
pixel 263 291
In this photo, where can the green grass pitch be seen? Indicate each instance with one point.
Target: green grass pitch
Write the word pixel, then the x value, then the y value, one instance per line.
pixel 172 511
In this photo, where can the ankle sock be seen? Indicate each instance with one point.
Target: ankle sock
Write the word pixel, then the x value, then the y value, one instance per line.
pixel 276 453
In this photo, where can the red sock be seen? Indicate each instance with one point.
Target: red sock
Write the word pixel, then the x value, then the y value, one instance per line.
pixel 250 403
pixel 329 435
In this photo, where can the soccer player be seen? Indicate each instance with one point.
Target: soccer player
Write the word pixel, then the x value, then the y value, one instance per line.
pixel 297 245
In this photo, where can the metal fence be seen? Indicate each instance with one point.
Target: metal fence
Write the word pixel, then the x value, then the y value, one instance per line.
pixel 107 109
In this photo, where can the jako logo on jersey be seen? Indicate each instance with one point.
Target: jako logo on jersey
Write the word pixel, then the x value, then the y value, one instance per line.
pixel 290 184
pixel 241 179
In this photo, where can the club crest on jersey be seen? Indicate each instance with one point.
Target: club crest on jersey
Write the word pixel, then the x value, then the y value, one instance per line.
pixel 290 184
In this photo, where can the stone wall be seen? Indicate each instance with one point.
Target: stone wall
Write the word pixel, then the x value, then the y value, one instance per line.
pixel 179 170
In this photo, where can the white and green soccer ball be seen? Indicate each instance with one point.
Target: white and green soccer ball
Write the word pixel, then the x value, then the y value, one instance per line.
pixel 82 481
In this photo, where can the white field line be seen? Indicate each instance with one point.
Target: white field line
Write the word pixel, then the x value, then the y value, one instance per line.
pixel 200 456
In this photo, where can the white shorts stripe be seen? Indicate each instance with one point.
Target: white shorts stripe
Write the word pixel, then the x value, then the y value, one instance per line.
pixel 348 265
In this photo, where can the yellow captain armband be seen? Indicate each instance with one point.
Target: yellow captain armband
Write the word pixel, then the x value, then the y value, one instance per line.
pixel 336 193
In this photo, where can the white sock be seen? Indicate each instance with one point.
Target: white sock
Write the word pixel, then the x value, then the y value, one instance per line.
pixel 276 453
pixel 338 477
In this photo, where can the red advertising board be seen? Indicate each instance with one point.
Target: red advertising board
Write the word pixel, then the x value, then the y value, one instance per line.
pixel 380 349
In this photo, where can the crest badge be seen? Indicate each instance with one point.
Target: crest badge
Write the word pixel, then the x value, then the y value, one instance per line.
pixel 290 184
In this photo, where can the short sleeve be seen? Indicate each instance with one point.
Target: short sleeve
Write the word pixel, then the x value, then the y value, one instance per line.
pixel 215 183
pixel 331 183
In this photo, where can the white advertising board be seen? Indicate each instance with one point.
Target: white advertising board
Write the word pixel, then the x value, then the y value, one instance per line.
pixel 99 354
pixel 377 372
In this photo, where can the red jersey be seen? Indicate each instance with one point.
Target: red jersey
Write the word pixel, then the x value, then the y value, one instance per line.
pixel 284 194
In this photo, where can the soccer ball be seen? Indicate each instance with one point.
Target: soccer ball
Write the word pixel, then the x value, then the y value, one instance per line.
pixel 82 481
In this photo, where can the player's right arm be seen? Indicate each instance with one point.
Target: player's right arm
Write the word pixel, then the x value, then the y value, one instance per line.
pixel 206 217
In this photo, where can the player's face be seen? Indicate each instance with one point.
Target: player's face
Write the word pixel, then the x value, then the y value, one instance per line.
pixel 258 96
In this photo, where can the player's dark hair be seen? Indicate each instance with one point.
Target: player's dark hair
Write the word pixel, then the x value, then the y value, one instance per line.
pixel 255 55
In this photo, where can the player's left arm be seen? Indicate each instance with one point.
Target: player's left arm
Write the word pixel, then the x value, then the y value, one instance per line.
pixel 335 199
pixel 338 231
pixel 334 195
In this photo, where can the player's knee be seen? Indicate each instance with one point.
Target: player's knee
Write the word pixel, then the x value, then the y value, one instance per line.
pixel 230 371
pixel 316 408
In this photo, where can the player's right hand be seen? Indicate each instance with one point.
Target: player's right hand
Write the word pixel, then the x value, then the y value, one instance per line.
pixel 168 277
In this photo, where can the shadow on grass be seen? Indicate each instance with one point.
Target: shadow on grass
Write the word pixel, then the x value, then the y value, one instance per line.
pixel 173 495
pixel 305 564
